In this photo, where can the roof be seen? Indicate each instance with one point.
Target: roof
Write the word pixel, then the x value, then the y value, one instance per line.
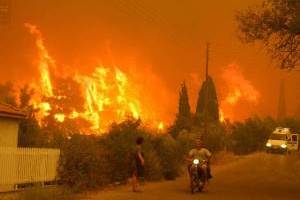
pixel 9 111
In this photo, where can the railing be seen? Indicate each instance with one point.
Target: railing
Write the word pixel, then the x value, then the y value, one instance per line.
pixel 27 165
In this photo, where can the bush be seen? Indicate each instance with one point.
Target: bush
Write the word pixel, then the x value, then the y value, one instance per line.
pixel 215 139
pixel 250 136
pixel 169 156
pixel 186 141
pixel 84 163
pixel 291 123
pixel 89 161
pixel 153 168
pixel 120 145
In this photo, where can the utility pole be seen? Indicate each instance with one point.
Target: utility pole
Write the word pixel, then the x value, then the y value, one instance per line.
pixel 206 92
pixel 5 12
pixel 207 57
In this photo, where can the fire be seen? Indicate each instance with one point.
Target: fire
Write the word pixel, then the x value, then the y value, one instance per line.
pixel 221 117
pixel 45 61
pixel 161 126
pixel 108 93
pixel 60 117
pixel 239 89
pixel 233 97
pixel 107 89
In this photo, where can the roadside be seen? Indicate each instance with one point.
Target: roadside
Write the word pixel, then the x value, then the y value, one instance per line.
pixel 57 192
pixel 235 177
pixel 256 176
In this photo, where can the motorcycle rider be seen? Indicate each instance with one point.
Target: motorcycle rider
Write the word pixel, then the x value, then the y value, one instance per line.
pixel 202 154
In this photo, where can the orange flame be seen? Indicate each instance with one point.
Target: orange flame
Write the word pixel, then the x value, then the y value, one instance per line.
pixel 161 126
pixel 108 93
pixel 221 117
pixel 45 61
pixel 239 89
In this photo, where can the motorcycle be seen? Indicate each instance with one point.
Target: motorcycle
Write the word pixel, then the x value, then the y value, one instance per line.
pixel 198 175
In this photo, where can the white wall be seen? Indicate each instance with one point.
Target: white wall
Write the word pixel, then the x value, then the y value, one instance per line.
pixel 8 132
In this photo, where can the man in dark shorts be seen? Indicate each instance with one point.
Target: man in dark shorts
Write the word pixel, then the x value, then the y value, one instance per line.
pixel 138 164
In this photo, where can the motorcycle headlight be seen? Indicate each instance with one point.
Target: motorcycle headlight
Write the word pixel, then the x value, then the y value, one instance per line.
pixel 268 144
pixel 283 146
pixel 196 161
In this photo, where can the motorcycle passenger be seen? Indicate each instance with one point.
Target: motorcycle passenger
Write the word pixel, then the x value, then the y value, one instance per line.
pixel 202 154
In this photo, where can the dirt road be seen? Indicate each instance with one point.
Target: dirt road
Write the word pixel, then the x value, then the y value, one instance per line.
pixel 259 176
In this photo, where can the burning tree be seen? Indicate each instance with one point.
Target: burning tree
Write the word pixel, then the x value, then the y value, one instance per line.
pixel 91 101
pixel 276 23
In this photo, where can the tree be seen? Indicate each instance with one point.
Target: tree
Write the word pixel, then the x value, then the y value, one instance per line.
pixel 7 94
pixel 30 134
pixel 276 23
pixel 207 104
pixel 183 117
pixel 67 99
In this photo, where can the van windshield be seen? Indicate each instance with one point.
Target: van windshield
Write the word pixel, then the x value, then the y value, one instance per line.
pixel 278 137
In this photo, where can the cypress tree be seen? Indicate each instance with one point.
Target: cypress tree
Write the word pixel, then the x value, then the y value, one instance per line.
pixel 183 117
pixel 207 104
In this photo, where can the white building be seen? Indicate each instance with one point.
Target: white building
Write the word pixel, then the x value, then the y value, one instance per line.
pixel 9 125
pixel 22 165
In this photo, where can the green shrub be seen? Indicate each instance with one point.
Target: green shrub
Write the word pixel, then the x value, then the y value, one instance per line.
pixel 250 136
pixel 186 141
pixel 153 168
pixel 215 139
pixel 88 161
pixel 169 156
pixel 120 144
pixel 84 163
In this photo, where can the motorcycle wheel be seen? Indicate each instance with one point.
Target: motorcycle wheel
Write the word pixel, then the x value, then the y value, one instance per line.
pixel 193 188
pixel 201 184
pixel 200 188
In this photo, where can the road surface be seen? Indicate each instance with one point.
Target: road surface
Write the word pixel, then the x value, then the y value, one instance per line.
pixel 259 176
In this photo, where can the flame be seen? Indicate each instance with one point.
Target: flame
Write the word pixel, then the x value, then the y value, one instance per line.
pixel 239 89
pixel 45 61
pixel 107 89
pixel 161 126
pixel 108 93
pixel 60 117
pixel 233 97
pixel 44 86
pixel 221 117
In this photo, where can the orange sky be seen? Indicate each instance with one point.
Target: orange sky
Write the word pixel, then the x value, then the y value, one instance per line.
pixel 163 38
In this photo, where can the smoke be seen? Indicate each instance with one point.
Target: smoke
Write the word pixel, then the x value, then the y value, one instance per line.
pixel 240 93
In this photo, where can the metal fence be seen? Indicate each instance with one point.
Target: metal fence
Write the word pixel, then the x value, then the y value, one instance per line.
pixel 27 165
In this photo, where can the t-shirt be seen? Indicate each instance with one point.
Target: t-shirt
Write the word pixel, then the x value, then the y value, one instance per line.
pixel 200 154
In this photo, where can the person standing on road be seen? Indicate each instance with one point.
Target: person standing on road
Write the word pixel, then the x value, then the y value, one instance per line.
pixel 138 164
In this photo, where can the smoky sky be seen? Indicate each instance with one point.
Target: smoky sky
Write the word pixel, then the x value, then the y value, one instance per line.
pixel 167 35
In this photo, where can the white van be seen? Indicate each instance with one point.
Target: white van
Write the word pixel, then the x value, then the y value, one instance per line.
pixel 282 140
